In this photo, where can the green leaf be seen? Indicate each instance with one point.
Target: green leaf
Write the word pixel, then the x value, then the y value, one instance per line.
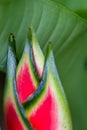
pixel 74 4
pixel 67 32
pixel 79 6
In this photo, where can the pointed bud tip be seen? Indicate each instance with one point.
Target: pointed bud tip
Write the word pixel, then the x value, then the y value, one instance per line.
pixel 11 37
pixel 49 47
pixel 12 43
pixel 30 33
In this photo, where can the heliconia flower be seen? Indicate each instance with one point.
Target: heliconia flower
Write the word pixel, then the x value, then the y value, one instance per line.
pixel 34 98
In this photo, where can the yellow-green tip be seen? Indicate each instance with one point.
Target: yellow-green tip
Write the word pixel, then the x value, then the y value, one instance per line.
pixel 30 33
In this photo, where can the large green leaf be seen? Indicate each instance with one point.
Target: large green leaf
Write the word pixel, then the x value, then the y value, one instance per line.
pixel 79 6
pixel 67 32
pixel 74 4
